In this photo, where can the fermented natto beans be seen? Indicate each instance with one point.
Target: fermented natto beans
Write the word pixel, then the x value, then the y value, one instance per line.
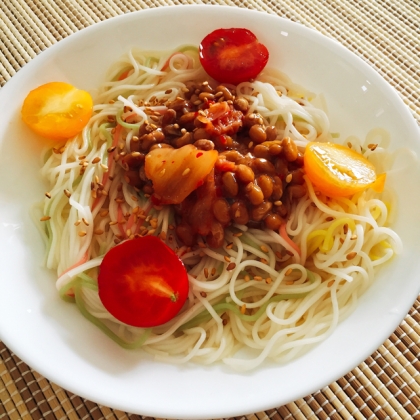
pixel 226 92
pixel 221 210
pixel 261 151
pixel 241 104
pixel 204 144
pixel 232 155
pixel 290 149
pixel 257 133
pixel 206 95
pixel 230 184
pixel 258 212
pixel 200 133
pixel 266 184
pixel 239 213
pixel 277 188
pixel 254 193
pixel 273 221
pixel 252 119
pixel 264 166
pixel 245 174
pixel 271 132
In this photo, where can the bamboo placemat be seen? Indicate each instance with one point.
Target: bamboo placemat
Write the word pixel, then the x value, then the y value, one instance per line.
pixel 384 33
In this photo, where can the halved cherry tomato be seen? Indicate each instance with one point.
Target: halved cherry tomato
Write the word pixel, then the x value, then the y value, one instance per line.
pixel 338 171
pixel 57 110
pixel 232 55
pixel 142 282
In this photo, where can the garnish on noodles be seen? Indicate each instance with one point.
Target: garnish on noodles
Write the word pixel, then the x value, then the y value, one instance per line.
pixel 218 175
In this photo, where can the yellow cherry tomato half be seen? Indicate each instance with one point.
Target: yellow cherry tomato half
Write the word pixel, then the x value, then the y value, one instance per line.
pixel 338 171
pixel 57 110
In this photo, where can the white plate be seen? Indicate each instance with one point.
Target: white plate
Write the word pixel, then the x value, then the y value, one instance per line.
pixel 55 340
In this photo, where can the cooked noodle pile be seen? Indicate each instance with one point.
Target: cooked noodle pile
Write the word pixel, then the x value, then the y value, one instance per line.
pixel 288 290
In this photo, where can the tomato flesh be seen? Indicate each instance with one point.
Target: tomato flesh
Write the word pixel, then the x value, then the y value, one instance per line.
pixel 338 171
pixel 57 110
pixel 232 55
pixel 142 282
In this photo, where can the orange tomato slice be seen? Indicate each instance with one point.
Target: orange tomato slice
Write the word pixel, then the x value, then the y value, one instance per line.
pixel 57 110
pixel 338 171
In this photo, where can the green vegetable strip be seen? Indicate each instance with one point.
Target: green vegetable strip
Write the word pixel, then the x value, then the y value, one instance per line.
pixel 224 306
pixel 83 280
pixel 125 124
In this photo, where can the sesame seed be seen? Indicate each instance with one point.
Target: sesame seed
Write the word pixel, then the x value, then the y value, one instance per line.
pixel 243 309
pixel 85 221
pixel 247 278
pixel 231 266
pixel 330 283
pixel 289 178
pixel 329 219
pixel 48 195
pixel 237 235
pixel 162 172
pixel 77 222
pixel 278 254
pixel 227 259
pixel 128 232
pixel 186 172
pixel 345 228
pixel 268 280
pixel 229 245
pixel 288 272
pixel 203 294
pixel 278 203
pixel 111 149
pixel 206 272
pixel 258 278
pixel 104 167
pixel 82 233
pixel 44 218
pixel 98 231
pixel 351 255
pixel 263 260
pixel 264 248
pixel 67 193
pixel 96 160
pixel 353 237
pixel 349 145
pixel 113 223
pixel 213 271
pixel 135 138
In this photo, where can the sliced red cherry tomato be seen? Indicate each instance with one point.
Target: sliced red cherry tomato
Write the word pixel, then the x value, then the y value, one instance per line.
pixel 338 171
pixel 57 110
pixel 232 55
pixel 142 282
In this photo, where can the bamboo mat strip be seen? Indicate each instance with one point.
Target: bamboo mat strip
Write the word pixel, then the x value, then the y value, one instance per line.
pixel 384 33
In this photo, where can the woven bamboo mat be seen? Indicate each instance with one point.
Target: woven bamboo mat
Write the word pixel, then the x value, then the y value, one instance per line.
pixel 386 34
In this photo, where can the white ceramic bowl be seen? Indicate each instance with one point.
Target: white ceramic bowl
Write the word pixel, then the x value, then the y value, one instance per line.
pixel 51 335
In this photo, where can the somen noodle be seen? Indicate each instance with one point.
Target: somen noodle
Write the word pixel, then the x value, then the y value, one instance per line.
pixel 288 289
